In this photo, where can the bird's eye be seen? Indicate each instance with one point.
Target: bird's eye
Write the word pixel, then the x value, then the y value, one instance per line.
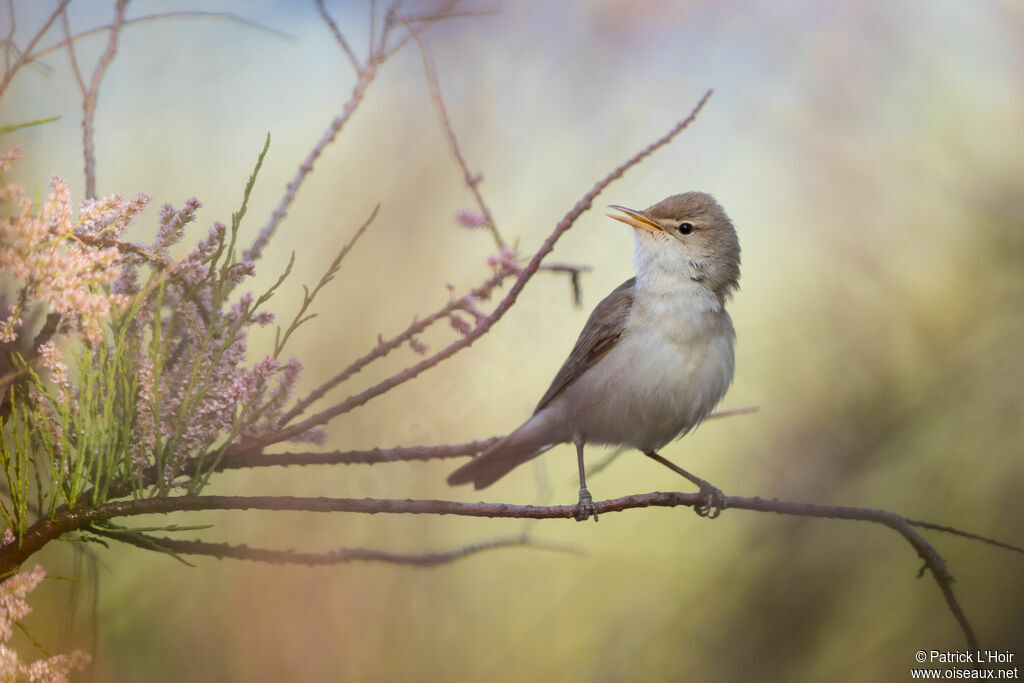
pixel 686 228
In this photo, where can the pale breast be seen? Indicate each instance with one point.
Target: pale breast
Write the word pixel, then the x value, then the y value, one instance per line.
pixel 665 375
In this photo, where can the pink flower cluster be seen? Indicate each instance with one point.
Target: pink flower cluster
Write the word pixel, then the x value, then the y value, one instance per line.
pixel 470 219
pixel 205 391
pixel 13 607
pixel 53 361
pixel 505 261
pixel 193 387
pixel 42 251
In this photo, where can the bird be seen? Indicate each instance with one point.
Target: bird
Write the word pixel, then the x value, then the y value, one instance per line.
pixel 654 357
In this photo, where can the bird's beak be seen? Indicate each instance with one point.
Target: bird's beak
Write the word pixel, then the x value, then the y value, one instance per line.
pixel 634 219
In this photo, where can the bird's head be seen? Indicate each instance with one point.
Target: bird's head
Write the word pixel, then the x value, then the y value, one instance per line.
pixel 686 235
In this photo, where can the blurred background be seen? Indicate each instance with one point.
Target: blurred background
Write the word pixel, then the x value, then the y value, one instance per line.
pixel 870 154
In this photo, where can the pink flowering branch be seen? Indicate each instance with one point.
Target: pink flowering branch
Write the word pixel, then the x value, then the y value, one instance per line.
pixel 14 607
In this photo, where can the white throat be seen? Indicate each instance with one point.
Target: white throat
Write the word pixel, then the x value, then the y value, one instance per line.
pixel 664 271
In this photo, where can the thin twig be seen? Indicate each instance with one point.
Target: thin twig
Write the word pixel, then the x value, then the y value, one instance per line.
pixel 385 346
pixel 732 412
pixel 161 16
pixel 8 41
pixel 485 324
pixel 574 273
pixel 366 74
pixel 366 77
pixel 372 456
pixel 24 57
pixel 309 296
pixel 453 14
pixel 75 69
pixel 339 556
pixel 338 35
pixel 124 247
pixel 966 534
pixel 90 92
pixel 472 180
pixel 372 49
pixel 614 455
pixel 446 11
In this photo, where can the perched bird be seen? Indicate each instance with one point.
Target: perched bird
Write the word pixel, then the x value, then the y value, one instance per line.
pixel 654 358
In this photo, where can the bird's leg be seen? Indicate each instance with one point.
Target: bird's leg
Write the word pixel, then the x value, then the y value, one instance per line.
pixel 585 507
pixel 714 499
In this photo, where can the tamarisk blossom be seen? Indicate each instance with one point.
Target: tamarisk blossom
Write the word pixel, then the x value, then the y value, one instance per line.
pixel 53 361
pixel 13 607
pixel 205 392
pixel 191 383
pixel 470 219
pixel 44 253
pixel 504 260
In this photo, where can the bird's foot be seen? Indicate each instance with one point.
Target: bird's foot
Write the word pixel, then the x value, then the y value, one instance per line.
pixel 713 500
pixel 585 508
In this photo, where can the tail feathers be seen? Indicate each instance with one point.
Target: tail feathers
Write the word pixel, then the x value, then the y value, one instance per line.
pixel 502 458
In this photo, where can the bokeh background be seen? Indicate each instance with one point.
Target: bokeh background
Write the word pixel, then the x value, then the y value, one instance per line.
pixel 870 154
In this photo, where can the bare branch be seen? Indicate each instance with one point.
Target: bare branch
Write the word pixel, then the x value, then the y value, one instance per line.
pixel 24 57
pixel 161 16
pixel 90 93
pixel 484 325
pixel 574 273
pixel 452 14
pixel 372 50
pixel 966 534
pixel 472 180
pixel 75 69
pixel 385 346
pixel 66 520
pixel 307 299
pixel 614 455
pixel 425 21
pixel 339 556
pixel 372 456
pixel 366 77
pixel 338 35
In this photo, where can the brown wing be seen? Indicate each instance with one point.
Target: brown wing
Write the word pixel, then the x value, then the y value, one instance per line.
pixel 603 330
